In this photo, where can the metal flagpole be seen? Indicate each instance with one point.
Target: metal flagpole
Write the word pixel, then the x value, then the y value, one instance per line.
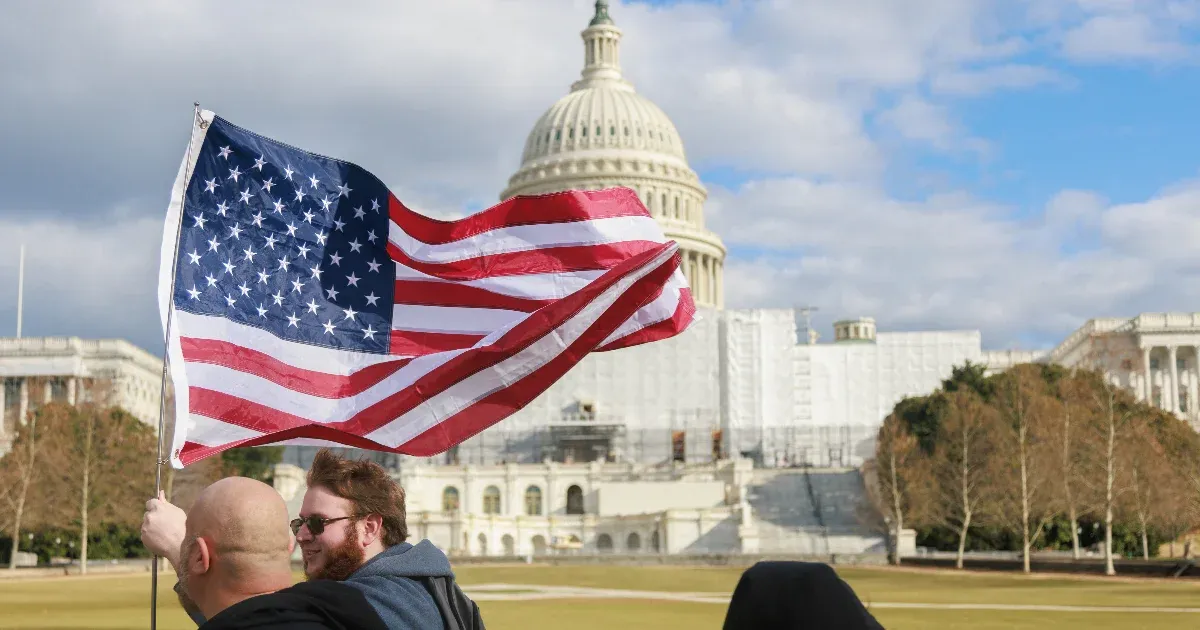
pixel 162 405
pixel 20 289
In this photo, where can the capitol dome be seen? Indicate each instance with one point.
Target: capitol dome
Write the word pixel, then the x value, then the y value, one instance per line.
pixel 604 134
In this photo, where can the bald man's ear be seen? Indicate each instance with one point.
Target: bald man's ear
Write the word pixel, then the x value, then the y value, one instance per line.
pixel 372 529
pixel 291 544
pixel 201 560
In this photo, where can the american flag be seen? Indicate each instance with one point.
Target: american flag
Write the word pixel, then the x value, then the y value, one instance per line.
pixel 310 306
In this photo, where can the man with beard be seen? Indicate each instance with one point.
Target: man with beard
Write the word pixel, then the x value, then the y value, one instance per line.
pixel 234 567
pixel 352 528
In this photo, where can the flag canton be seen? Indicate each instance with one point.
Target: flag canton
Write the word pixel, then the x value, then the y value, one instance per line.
pixel 286 241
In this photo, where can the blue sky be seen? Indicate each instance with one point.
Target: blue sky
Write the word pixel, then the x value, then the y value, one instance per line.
pixel 1014 167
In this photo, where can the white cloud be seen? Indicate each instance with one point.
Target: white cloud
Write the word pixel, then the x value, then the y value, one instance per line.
pixel 1009 76
pixel 916 119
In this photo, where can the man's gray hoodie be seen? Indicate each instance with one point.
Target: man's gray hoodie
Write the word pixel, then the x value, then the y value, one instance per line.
pixel 391 583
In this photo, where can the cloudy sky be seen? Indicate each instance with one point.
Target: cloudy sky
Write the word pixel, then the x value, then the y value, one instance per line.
pixel 1012 166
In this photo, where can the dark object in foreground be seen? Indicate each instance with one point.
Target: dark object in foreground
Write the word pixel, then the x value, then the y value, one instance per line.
pixel 795 596
pixel 315 605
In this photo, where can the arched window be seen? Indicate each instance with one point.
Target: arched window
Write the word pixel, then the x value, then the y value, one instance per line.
pixel 634 542
pixel 539 545
pixel 533 501
pixel 604 543
pixel 450 499
pixel 482 545
pixel 574 500
pixel 491 500
pixel 509 545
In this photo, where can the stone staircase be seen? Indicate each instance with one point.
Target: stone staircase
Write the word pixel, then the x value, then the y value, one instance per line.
pixel 811 512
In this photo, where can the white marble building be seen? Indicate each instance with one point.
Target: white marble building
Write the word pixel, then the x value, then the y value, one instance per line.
pixel 37 370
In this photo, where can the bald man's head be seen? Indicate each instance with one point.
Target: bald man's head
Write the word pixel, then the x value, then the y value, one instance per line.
pixel 237 541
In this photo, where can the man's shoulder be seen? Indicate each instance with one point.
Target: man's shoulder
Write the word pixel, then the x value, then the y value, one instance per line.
pixel 315 605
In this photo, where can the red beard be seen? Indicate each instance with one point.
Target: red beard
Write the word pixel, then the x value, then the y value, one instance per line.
pixel 343 560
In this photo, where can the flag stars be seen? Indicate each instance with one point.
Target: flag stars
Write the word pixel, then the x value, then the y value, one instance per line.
pixel 308 217
pixel 316 272
pixel 291 228
pixel 266 185
pixel 262 312
pixel 278 298
pixel 312 306
pixel 229 267
pixel 245 195
pixel 338 225
pixel 350 313
pixel 225 152
pixel 355 245
pixel 321 236
pixel 287 172
pixel 303 249
pixel 222 208
pixel 211 185
pixel 235 232
pixel 374 266
pixel 375 205
pixel 278 206
pixel 314 181
pixel 213 244
pixel 244 289
pixel 297 286
pixel 250 254
pixel 230 299
pixel 299 194
pixel 260 163
pixel 335 260
pixel 325 203
pixel 352 280
pixel 195 257
pixel 212 282
pixel 369 332
pixel 263 277
pixel 328 326
pixel 271 241
pixel 343 190
pixel 293 321
pixel 371 236
pixel 194 293
pixel 200 220
pixel 359 213
pixel 284 263
pixel 372 299
pixel 258 219
pixel 234 174
pixel 332 293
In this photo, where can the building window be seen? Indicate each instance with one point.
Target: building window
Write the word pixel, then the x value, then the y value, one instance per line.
pixel 604 543
pixel 1181 364
pixel 450 499
pixel 510 547
pixel 1183 402
pixel 58 390
pixel 558 134
pixel 574 500
pixel 634 542
pixel 491 500
pixel 12 393
pixel 1153 364
pixel 679 446
pixel 533 501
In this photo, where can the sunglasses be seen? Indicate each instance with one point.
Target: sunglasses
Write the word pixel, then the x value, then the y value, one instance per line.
pixel 316 524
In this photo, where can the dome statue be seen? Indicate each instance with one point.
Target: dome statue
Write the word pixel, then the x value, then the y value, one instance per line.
pixel 604 134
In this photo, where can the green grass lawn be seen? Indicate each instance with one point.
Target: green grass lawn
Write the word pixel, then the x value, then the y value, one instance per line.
pixel 123 601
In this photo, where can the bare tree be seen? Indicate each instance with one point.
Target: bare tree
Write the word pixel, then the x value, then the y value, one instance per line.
pixel 1071 392
pixel 897 454
pixel 18 470
pixel 1025 470
pixel 961 476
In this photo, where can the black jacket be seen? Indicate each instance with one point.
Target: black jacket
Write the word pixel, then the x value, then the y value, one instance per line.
pixel 796 596
pixel 315 605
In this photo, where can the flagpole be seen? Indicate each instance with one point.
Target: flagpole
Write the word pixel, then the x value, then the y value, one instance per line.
pixel 20 289
pixel 162 404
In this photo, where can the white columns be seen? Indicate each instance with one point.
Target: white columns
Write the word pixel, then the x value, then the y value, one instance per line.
pixel 1147 377
pixel 71 391
pixel 1173 404
pixel 23 405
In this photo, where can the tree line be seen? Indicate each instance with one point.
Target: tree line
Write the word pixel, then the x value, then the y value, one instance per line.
pixel 75 481
pixel 1029 452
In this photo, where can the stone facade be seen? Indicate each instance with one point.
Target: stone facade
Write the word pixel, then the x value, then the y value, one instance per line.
pixel 38 370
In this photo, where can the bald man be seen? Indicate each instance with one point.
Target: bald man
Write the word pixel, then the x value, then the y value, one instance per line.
pixel 234 564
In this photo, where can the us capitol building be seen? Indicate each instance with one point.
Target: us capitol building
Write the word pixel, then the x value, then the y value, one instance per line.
pixel 742 435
